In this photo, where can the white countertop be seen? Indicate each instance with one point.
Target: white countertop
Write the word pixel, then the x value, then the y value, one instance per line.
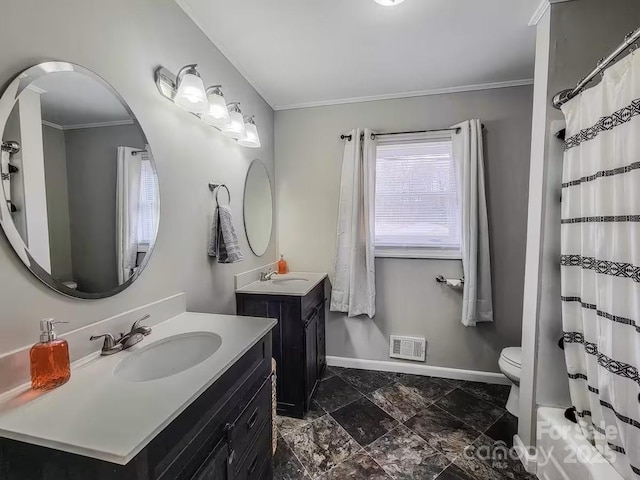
pixel 296 284
pixel 99 415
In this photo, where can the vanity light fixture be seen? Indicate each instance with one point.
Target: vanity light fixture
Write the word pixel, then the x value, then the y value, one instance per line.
pixel 187 90
pixel 218 114
pixel 389 3
pixel 190 93
pixel 235 128
pixel 251 138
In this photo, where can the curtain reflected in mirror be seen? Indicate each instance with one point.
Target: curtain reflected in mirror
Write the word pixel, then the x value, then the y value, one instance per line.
pixel 137 209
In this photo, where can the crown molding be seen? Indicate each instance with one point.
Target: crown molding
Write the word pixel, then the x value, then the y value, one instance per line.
pixel 47 123
pixel 115 123
pixel 420 93
pixel 542 8
pixel 35 89
pixel 79 126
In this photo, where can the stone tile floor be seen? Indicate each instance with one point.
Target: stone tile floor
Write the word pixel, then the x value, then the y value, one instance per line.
pixel 387 426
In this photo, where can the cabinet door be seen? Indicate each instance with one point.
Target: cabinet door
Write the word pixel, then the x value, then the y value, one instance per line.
pixel 311 356
pixel 288 353
pixel 322 342
pixel 216 466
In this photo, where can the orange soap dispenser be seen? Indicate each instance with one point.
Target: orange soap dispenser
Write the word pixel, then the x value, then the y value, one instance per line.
pixel 50 365
pixel 282 266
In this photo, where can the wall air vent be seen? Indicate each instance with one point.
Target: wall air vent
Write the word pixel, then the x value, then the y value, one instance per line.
pixel 408 348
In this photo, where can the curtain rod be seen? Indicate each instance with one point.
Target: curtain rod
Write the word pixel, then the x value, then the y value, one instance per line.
pixel 373 135
pixel 566 95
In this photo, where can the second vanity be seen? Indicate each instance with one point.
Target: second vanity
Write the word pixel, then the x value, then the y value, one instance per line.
pixel 297 301
pixel 149 414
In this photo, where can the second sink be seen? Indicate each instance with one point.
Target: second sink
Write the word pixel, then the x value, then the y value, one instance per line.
pixel 168 356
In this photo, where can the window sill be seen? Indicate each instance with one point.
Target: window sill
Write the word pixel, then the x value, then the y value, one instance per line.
pixel 418 253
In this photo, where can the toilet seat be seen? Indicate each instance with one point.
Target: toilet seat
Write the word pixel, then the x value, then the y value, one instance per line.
pixel 512 356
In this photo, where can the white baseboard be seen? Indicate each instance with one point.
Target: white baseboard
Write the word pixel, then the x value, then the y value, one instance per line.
pixel 529 460
pixel 418 369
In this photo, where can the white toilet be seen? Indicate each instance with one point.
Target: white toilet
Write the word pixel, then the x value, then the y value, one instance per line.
pixel 510 364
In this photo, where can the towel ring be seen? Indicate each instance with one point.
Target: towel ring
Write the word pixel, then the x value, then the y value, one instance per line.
pixel 215 187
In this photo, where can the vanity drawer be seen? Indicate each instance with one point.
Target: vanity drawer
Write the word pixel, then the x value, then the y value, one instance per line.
pixel 244 430
pixel 259 458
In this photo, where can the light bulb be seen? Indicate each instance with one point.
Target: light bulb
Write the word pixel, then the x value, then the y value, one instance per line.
pixel 218 114
pixel 191 94
pixel 235 128
pixel 251 138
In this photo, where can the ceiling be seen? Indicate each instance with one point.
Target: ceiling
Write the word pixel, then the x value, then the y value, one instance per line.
pixel 314 52
pixel 73 100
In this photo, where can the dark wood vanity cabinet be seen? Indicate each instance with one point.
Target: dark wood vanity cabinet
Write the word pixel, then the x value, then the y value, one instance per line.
pixel 298 343
pixel 225 434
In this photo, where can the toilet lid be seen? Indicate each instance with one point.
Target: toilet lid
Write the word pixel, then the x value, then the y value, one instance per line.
pixel 513 355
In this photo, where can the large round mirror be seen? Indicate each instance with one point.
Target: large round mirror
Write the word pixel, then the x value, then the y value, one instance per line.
pixel 81 200
pixel 258 208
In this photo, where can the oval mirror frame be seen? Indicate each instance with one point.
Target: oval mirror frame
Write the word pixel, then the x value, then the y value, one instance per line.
pixel 7 102
pixel 255 238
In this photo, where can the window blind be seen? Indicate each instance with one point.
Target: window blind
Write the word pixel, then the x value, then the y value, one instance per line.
pixel 148 207
pixel 416 197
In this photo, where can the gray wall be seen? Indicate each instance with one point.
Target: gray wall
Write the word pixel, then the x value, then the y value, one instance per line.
pixel 92 173
pixel 124 42
pixel 409 301
pixel 55 172
pixel 581 33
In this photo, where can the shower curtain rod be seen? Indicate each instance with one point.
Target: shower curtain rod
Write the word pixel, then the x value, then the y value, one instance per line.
pixel 566 95
pixel 373 135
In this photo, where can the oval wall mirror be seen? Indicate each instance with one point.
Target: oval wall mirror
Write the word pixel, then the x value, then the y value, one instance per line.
pixel 258 208
pixel 81 202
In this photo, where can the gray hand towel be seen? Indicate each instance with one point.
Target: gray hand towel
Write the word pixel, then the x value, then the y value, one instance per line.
pixel 223 242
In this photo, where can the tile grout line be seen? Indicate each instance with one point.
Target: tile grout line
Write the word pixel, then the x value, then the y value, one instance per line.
pixel 358 390
pixel 374 459
pixel 353 439
pixel 296 457
pixel 483 399
pixel 461 420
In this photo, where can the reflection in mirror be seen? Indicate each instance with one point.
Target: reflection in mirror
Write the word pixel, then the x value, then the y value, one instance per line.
pixel 258 208
pixel 82 201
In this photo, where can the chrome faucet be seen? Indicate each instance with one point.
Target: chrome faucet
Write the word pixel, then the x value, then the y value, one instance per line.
pixel 110 345
pixel 126 340
pixel 264 276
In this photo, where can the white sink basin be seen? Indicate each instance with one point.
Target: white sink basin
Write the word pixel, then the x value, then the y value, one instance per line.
pixel 168 356
pixel 289 281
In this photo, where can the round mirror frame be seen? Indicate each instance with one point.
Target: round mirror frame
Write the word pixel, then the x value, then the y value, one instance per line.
pixel 7 102
pixel 244 203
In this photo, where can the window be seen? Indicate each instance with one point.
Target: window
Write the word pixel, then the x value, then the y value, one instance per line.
pixel 416 198
pixel 148 207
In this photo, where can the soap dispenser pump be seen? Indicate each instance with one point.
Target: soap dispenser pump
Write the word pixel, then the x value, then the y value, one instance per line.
pixel 50 365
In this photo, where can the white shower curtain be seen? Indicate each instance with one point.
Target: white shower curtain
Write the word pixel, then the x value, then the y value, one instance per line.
pixel 127 206
pixel 354 289
pixel 468 153
pixel 601 262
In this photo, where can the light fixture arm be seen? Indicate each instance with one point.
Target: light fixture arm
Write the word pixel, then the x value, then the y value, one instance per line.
pixel 215 89
pixel 187 69
pixel 234 107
